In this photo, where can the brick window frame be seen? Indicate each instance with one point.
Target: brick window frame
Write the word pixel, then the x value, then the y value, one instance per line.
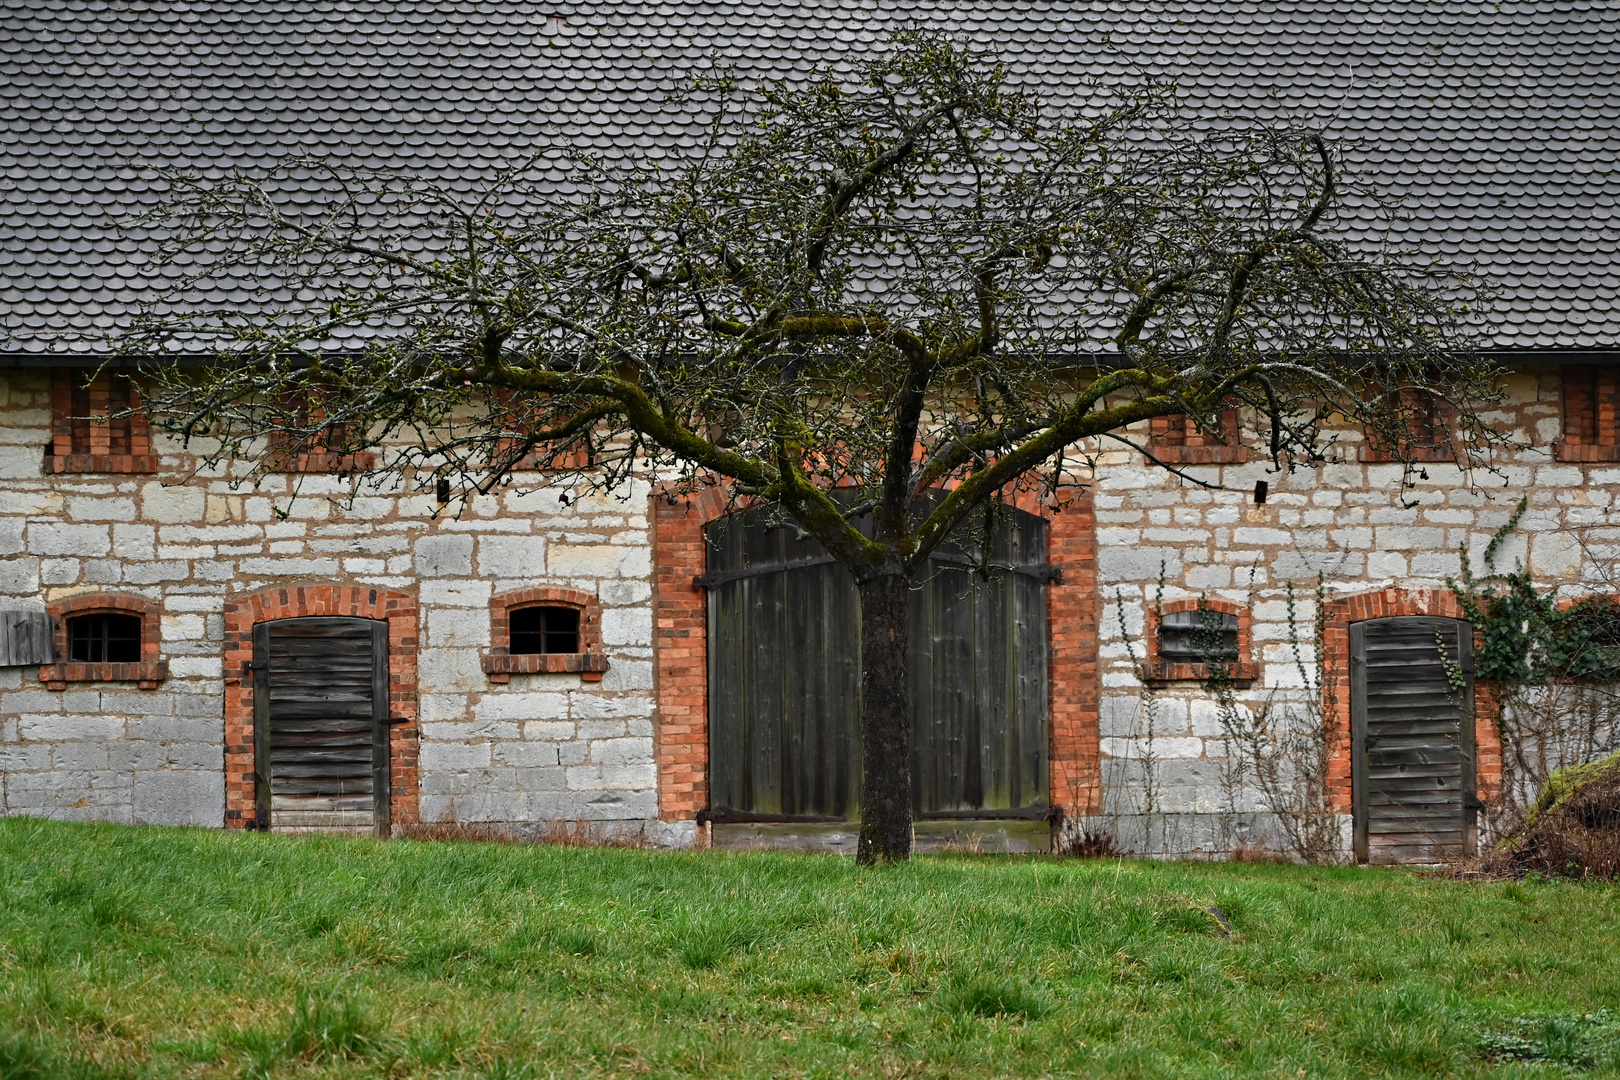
pixel 1244 672
pixel 1431 414
pixel 87 446
pixel 1590 396
pixel 1382 604
pixel 398 609
pixel 1177 440
pixel 147 673
pixel 680 650
pixel 589 662
pixel 285 459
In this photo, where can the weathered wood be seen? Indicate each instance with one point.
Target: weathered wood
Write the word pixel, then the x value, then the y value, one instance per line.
pixel 1412 737
pixel 321 718
pixel 26 637
pixel 784 674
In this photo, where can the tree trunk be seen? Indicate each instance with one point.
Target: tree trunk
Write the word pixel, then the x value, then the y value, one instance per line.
pixel 885 721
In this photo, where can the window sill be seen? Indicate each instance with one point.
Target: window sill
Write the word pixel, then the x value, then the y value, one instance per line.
pixel 146 674
pixel 1160 673
pixel 501 666
pixel 1200 455
pixel 101 463
pixel 1577 452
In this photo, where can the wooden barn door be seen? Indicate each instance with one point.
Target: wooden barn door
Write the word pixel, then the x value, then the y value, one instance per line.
pixel 784 676
pixel 320 713
pixel 1411 720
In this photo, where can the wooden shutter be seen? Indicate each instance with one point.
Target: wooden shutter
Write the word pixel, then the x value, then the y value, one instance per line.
pixel 321 723
pixel 784 675
pixel 26 637
pixel 1412 774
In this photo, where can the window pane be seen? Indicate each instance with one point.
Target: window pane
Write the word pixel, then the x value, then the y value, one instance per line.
pixel 544 630
pixel 105 638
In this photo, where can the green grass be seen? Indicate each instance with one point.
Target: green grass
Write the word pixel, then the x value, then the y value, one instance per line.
pixel 155 952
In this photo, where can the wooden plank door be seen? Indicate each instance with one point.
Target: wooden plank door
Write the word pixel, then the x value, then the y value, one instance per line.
pixel 784 675
pixel 1411 730
pixel 978 676
pixel 321 724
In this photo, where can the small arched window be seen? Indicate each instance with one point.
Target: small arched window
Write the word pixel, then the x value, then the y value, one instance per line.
pixel 548 629
pixel 104 637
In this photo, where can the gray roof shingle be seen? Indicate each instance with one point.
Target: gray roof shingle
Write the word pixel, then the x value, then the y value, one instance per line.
pixel 1497 125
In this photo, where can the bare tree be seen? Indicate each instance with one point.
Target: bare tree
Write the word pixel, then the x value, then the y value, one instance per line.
pixel 906 279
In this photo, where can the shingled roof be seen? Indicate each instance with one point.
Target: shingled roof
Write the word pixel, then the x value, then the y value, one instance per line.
pixel 1497 125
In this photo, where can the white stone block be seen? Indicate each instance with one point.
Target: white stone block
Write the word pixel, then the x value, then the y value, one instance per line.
pixel 444 556
pixel 181 797
pixel 511 557
pixel 442 671
pixel 467 731
pixel 290 567
pixel 100 508
pixel 626 751
pixel 455 594
pixel 522 706
pixel 595 705
pixel 11 536
pixel 61 728
pixel 548 730
pixel 627 626
pixel 452 627
pixel 612 777
pixel 597 561
pixel 60 538
pixel 172 505
pixel 437 755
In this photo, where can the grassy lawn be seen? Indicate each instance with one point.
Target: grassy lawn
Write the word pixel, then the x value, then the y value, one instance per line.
pixel 155 952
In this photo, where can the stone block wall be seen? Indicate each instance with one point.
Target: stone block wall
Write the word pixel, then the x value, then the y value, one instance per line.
pixel 543 747
pixel 1162 539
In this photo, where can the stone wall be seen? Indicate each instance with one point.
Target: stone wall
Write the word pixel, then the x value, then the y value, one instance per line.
pixel 542 747
pixel 549 747
pixel 1351 521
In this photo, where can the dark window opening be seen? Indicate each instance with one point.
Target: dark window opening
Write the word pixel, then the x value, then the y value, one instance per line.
pixel 1201 636
pixel 544 630
pixel 105 638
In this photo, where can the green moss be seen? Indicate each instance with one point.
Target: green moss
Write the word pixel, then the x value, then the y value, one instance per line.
pixel 1566 782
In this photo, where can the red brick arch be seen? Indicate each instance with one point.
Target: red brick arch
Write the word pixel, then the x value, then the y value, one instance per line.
pixel 680 637
pixel 398 609
pixel 147 673
pixel 1383 604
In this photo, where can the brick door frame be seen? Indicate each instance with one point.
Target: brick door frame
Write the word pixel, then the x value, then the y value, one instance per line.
pixel 681 656
pixel 242 613
pixel 1384 604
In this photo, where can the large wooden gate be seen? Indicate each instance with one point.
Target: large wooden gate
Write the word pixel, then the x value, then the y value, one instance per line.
pixel 1411 719
pixel 320 712
pixel 784 675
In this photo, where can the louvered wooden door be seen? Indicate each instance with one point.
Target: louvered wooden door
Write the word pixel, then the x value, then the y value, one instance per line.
pixel 321 723
pixel 1412 772
pixel 784 675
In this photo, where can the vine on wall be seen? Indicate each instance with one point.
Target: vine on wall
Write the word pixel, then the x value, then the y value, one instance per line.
pixel 1556 666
